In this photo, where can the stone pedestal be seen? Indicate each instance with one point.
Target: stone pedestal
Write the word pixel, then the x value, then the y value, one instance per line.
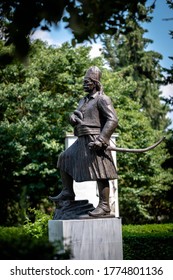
pixel 89 239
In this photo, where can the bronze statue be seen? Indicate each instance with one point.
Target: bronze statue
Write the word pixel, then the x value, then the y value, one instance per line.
pixel 87 159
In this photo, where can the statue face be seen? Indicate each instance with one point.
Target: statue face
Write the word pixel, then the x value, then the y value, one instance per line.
pixel 88 85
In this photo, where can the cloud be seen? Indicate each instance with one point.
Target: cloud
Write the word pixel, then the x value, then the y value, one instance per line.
pixel 44 36
pixel 52 39
pixel 96 50
pixel 167 91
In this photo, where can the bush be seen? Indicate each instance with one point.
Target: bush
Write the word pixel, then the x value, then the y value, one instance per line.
pixel 30 242
pixel 39 227
pixel 140 242
pixel 148 242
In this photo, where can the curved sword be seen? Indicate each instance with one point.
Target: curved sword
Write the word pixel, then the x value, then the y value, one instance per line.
pixel 111 148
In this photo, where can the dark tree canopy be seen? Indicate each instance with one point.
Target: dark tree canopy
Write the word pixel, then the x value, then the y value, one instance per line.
pixel 86 19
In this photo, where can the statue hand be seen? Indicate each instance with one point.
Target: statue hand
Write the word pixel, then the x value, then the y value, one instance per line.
pixel 96 145
pixel 76 118
pixel 78 114
pixel 73 119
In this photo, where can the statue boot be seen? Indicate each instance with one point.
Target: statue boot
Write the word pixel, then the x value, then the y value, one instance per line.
pixel 103 207
pixel 67 192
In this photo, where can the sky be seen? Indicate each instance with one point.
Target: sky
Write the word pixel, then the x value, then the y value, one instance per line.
pixel 158 31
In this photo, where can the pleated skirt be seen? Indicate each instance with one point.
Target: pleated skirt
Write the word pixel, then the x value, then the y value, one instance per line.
pixel 84 164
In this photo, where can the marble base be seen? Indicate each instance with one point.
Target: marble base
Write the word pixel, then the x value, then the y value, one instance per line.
pixel 89 239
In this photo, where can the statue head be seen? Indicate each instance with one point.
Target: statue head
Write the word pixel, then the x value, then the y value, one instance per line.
pixel 93 73
pixel 92 79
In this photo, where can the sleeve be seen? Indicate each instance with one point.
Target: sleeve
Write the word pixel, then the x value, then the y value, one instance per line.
pixel 108 118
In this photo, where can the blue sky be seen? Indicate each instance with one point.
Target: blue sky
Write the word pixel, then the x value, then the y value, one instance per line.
pixel 158 31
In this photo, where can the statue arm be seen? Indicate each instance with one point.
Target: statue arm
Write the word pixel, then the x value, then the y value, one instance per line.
pixel 109 119
pixel 108 113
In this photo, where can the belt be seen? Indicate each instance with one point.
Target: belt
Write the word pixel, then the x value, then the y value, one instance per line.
pixel 85 130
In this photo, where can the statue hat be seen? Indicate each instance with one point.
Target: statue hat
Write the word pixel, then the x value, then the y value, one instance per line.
pixel 93 73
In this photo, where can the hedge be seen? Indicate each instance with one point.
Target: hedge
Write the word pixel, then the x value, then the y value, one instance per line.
pixel 140 242
pixel 148 242
pixel 17 244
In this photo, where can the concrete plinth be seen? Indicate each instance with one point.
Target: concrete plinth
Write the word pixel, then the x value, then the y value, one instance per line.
pixel 89 239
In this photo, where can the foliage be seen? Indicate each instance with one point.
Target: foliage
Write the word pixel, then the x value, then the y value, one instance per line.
pixel 86 19
pixel 30 241
pixel 127 54
pixel 168 80
pixel 148 242
pixel 36 99
pixel 143 183
pixel 168 164
pixel 37 228
pixel 35 102
pixel 145 242
pixel 16 244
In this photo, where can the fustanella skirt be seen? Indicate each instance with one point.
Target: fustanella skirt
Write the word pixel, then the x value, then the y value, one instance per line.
pixel 85 164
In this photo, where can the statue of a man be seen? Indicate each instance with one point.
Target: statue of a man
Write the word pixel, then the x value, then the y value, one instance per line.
pixel 87 159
